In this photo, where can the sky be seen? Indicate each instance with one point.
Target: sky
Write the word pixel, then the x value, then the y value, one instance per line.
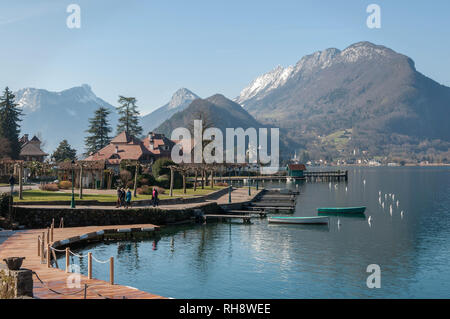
pixel 149 49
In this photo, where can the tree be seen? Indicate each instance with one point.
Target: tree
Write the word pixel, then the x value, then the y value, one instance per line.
pixel 9 123
pixel 5 150
pixel 64 152
pixel 129 116
pixel 99 130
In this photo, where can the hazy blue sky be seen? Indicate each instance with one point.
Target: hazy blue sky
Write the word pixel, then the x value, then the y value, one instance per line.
pixel 149 49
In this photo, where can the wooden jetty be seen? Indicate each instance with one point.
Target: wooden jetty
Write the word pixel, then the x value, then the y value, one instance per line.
pixel 50 282
pixel 246 219
pixel 315 176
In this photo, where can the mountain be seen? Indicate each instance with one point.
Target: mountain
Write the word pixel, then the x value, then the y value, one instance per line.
pixel 366 98
pixel 180 100
pixel 221 113
pixel 60 115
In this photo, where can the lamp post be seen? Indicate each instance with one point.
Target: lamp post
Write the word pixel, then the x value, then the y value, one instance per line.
pixel 72 202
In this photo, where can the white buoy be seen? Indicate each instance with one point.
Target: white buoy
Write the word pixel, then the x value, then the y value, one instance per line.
pixel 393 196
pixel 370 221
pixel 346 189
pixel 398 202
pixel 379 200
pixel 401 214
pixel 379 193
pixel 364 182
pixel 382 205
pixel 390 210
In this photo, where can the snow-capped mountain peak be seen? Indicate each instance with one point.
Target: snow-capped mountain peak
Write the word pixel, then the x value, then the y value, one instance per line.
pixel 180 97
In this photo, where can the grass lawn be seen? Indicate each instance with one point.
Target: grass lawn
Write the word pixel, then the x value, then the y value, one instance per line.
pixel 39 195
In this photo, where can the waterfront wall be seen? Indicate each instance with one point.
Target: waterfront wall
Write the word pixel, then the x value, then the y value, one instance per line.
pixel 35 218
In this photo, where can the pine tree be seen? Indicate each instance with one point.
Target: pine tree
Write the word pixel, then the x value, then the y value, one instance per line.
pixel 9 122
pixel 99 130
pixel 129 116
pixel 64 152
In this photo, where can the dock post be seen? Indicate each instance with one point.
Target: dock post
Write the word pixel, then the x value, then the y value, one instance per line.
pixel 42 247
pixel 48 256
pixel 249 190
pixel 67 260
pixel 257 186
pixel 111 270
pixel 229 193
pixel 39 246
pixel 89 265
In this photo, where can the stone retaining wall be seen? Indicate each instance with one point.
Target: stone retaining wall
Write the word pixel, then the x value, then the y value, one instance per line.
pixel 35 218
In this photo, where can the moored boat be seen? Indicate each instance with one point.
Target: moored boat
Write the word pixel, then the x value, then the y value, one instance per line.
pixel 299 220
pixel 342 210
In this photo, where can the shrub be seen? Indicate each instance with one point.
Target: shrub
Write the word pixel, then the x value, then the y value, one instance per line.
pixel 147 190
pixel 52 187
pixel 65 184
pixel 220 184
pixel 4 204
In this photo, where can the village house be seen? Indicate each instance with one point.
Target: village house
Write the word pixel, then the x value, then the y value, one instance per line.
pixel 31 149
pixel 99 166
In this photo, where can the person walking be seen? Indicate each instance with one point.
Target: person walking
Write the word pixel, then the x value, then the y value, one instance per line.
pixel 128 199
pixel 118 197
pixel 155 197
pixel 12 181
pixel 122 197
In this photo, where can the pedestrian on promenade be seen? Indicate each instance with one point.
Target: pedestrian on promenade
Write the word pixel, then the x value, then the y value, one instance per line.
pixel 155 197
pixel 118 197
pixel 128 199
pixel 122 197
pixel 12 181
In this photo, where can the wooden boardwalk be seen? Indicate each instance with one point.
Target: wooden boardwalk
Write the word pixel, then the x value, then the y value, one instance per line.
pixel 24 244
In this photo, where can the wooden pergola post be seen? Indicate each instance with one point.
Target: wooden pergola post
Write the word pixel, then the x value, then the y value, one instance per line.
pixel 195 180
pixel 81 181
pixel 171 181
pixel 20 181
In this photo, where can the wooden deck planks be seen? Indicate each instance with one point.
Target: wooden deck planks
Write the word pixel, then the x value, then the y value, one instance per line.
pixel 24 243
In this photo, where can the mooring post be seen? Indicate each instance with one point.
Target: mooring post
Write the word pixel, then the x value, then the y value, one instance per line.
pixel 111 270
pixel 39 246
pixel 42 247
pixel 89 265
pixel 229 193
pixel 48 235
pixel 249 190
pixel 67 259
pixel 48 256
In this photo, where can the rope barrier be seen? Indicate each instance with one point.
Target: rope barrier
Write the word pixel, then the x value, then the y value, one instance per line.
pixel 76 255
pixel 58 250
pixel 54 291
pixel 72 293
pixel 100 262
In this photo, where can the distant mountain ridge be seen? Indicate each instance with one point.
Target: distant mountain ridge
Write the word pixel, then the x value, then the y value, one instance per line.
pixel 372 92
pixel 60 115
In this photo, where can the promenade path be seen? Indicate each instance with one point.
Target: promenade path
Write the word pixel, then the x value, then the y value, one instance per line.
pixel 239 195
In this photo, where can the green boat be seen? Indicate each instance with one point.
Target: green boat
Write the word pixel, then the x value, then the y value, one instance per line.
pixel 342 210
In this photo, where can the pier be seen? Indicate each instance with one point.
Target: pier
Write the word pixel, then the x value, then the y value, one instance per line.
pixel 313 176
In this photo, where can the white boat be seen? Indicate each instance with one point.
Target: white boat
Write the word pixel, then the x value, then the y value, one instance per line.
pixel 299 220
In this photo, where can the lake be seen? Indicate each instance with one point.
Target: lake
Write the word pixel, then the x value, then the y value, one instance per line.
pixel 230 260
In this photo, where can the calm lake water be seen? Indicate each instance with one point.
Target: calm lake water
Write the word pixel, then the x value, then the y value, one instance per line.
pixel 286 261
